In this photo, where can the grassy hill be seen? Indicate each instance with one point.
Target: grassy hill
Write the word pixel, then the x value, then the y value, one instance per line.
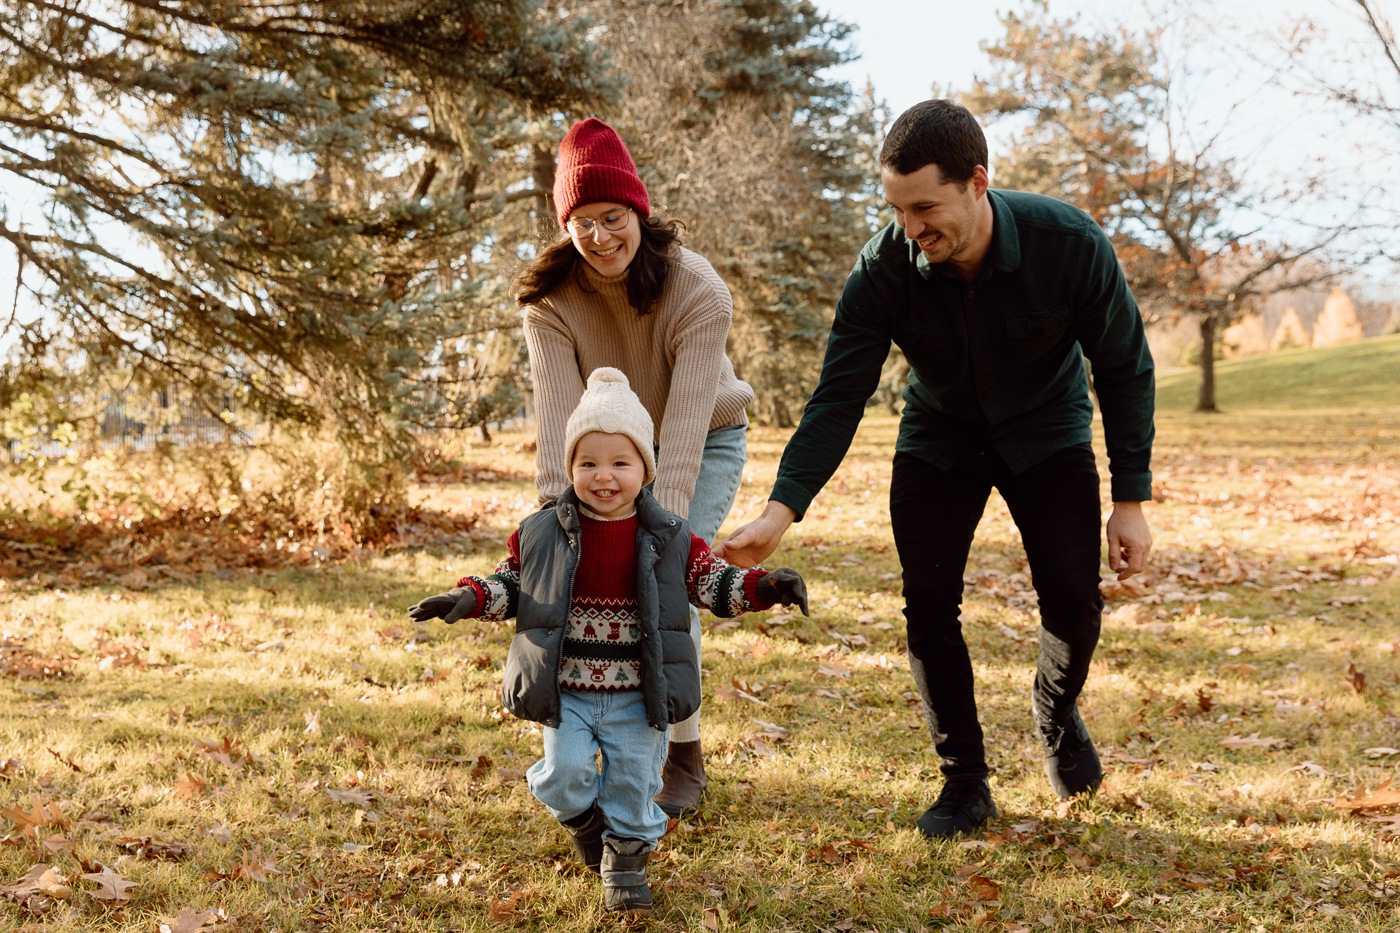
pixel 1363 375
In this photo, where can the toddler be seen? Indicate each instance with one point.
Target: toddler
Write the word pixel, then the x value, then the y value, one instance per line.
pixel 600 584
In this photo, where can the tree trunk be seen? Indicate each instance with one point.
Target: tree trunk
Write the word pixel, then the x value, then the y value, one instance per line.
pixel 1205 399
pixel 542 175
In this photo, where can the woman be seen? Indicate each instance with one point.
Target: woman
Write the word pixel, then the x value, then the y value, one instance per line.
pixel 620 290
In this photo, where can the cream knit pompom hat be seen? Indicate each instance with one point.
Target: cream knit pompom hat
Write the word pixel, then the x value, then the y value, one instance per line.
pixel 609 405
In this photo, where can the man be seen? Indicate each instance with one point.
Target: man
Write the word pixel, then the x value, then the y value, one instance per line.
pixel 995 297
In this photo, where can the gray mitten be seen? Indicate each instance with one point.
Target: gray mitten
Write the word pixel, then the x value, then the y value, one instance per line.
pixel 456 603
pixel 785 586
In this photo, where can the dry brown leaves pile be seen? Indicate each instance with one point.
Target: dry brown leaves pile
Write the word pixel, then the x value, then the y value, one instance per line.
pixel 184 543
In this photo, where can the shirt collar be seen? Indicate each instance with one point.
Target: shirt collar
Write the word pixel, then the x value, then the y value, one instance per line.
pixel 1004 254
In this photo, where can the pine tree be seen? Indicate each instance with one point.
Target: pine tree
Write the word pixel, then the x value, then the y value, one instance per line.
pixel 283 203
pixel 1338 322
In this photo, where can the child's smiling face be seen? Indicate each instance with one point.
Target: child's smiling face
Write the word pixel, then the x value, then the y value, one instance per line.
pixel 608 473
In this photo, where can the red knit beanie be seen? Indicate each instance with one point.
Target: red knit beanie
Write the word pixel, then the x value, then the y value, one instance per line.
pixel 594 165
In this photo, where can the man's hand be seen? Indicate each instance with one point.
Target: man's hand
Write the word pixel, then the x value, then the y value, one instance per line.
pixel 784 586
pixel 751 544
pixel 1129 539
pixel 456 603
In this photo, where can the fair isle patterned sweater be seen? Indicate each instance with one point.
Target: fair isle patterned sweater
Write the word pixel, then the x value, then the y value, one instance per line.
pixel 602 648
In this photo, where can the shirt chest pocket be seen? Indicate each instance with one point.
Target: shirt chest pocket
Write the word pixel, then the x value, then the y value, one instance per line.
pixel 1039 335
pixel 1041 325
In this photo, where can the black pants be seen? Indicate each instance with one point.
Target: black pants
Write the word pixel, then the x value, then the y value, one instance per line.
pixel 934 514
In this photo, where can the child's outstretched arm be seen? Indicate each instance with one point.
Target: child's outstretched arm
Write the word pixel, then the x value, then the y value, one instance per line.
pixel 785 586
pixel 492 597
pixel 728 591
pixel 457 603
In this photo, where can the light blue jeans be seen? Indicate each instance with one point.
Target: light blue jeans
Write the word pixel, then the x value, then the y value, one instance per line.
pixel 567 780
pixel 721 472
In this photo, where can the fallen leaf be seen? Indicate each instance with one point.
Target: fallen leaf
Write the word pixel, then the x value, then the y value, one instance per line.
pixel 761 747
pixel 225 753
pixel 504 908
pixel 187 921
pixel 360 797
pixel 54 885
pixel 41 879
pixel 191 788
pixel 256 867
pixel 984 888
pixel 111 886
pixel 28 822
pixel 1354 678
pixel 772 730
pixel 1383 797
pixel 1389 825
pixel 1253 740
pixel 148 847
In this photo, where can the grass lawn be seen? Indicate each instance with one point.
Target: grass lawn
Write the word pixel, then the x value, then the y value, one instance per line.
pixel 284 750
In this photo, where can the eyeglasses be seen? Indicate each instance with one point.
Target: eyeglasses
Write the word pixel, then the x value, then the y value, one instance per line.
pixel 583 227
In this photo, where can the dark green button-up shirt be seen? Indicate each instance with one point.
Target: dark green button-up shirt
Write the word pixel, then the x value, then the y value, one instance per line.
pixel 999 360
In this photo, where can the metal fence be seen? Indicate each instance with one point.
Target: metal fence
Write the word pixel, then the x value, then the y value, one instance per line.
pixel 179 426
pixel 144 421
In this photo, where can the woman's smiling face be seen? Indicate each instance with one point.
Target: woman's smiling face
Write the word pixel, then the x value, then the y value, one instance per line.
pixel 609 252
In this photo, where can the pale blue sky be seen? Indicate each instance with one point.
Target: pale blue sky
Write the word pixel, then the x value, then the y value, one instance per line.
pixel 906 45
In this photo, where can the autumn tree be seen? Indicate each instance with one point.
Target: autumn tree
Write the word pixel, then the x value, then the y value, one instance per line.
pixel 1105 120
pixel 281 202
pixel 1372 88
pixel 1355 66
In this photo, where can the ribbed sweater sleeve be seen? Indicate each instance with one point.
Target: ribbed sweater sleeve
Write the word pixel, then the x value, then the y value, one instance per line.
pixel 674 358
pixel 558 385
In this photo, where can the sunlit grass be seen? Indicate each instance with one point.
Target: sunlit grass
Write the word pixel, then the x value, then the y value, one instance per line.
pixel 1349 378
pixel 313 761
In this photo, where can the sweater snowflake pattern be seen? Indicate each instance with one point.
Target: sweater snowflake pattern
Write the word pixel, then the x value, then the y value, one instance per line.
pixel 602 645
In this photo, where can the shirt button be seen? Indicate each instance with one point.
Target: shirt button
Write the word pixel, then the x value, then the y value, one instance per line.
pixel 971 293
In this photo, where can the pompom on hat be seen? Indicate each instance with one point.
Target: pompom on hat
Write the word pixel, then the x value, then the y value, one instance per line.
pixel 609 405
pixel 595 166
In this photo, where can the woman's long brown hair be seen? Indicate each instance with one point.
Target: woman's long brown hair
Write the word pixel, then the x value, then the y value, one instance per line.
pixel 646 274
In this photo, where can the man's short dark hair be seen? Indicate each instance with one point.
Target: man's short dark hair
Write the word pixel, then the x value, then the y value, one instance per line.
pixel 935 132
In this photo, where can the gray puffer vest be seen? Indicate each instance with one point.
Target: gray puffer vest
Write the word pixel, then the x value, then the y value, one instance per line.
pixel 549 554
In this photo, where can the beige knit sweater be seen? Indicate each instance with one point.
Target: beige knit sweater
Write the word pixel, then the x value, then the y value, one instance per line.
pixel 674 358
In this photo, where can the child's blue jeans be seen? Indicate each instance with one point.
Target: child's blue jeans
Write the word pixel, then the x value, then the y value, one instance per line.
pixel 567 780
